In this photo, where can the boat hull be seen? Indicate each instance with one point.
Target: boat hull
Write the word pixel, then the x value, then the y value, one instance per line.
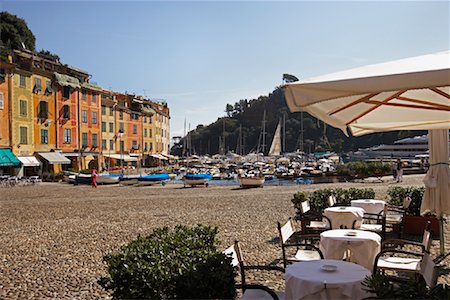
pixel 251 181
pixel 196 179
pixel 153 179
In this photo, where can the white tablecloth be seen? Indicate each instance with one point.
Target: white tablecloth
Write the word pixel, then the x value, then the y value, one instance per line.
pixel 306 280
pixel 369 205
pixel 363 247
pixel 344 216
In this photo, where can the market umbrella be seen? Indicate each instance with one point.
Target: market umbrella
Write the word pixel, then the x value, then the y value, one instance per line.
pixel 406 94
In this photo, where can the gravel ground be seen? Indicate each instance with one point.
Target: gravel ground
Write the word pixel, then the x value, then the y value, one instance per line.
pixel 55 235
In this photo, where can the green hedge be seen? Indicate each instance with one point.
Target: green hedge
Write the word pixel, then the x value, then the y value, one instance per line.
pixel 362 169
pixel 179 264
pixel 319 199
pixel 398 193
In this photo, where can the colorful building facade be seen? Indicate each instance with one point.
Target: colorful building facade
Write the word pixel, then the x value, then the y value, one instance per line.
pixel 5 87
pixel 48 107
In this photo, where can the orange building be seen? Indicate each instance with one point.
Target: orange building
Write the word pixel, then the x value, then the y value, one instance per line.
pixel 89 125
pixel 66 96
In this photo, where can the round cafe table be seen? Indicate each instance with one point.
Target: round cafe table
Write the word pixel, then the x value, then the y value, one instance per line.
pixel 344 216
pixel 372 206
pixel 337 280
pixel 363 245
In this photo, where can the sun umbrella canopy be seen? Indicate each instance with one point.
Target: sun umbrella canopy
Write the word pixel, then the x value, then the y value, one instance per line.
pixel 437 180
pixel 406 94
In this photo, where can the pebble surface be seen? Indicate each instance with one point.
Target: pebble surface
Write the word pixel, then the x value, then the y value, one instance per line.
pixel 54 235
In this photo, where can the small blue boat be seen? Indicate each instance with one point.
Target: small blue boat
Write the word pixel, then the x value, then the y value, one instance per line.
pixel 196 179
pixel 153 179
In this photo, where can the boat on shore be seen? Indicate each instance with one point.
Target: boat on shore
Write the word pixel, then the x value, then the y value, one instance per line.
pixel 152 179
pixel 196 179
pixel 101 179
pixel 251 181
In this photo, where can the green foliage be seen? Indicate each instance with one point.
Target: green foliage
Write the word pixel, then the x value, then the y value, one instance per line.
pixel 383 288
pixel 86 171
pixel 179 264
pixel 49 55
pixel 15 32
pixel 319 198
pixel 362 169
pixel 398 193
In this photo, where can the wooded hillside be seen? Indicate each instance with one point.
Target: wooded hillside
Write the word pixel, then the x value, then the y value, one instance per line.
pixel 318 136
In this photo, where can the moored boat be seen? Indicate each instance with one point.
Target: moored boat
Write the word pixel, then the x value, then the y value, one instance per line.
pixel 152 179
pixel 251 181
pixel 101 179
pixel 196 179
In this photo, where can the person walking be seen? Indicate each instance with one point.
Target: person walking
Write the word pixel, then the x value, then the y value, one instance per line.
pixel 399 170
pixel 94 178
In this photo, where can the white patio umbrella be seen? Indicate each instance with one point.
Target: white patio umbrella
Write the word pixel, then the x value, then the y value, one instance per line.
pixel 406 94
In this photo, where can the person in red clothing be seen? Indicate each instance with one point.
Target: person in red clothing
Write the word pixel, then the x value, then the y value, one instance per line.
pixel 94 178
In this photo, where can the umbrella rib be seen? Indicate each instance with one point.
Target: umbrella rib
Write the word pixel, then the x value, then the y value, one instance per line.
pixel 438 91
pixel 436 105
pixel 412 106
pixel 363 99
pixel 377 104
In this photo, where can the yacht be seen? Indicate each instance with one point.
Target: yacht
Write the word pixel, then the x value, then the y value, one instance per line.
pixel 406 148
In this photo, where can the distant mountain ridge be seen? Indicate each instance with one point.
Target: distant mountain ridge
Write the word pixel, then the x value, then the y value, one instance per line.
pixel 209 139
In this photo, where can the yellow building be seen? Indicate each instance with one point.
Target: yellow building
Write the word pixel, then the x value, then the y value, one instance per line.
pixel 162 128
pixel 43 112
pixel 107 128
pixel 22 113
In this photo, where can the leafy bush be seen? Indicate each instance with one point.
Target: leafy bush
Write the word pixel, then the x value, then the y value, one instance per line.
pixel 398 193
pixel 383 288
pixel 319 198
pixel 363 169
pixel 179 264
pixel 377 168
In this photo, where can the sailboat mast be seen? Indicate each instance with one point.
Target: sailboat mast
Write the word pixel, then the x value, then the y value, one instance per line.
pixel 284 133
pixel 301 132
pixel 264 133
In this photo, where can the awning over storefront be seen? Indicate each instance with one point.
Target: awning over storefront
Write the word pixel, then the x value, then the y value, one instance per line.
pixel 29 161
pixel 125 157
pixel 73 154
pixel 8 159
pixel 55 158
pixel 66 80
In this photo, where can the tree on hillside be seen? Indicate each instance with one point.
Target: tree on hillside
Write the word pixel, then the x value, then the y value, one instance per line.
pixel 14 31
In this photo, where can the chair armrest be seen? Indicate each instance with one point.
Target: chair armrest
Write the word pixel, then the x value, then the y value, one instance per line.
pixel 399 242
pixel 258 287
pixel 266 268
pixel 307 246
pixel 391 250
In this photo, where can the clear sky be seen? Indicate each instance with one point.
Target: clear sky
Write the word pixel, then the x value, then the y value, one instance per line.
pixel 199 56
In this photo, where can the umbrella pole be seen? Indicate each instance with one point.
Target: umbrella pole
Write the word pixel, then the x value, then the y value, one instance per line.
pixel 441 234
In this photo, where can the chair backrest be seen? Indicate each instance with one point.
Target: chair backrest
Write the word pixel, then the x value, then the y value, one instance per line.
pixel 237 259
pixel 234 252
pixel 286 231
pixel 407 202
pixel 426 240
pixel 429 270
pixel 331 200
pixel 305 207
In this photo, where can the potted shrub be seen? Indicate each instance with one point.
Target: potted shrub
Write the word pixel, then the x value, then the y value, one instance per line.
pixel 414 222
pixel 180 264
